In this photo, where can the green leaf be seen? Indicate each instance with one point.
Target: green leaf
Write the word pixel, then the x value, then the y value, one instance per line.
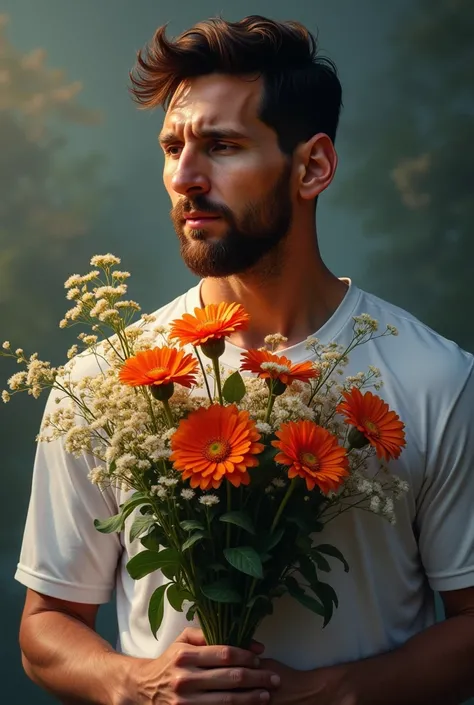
pixel 156 608
pixel 334 552
pixel 299 594
pixel 234 388
pixel 191 612
pixel 328 597
pixel 255 598
pixel 194 538
pixel 191 524
pixel 117 522
pixel 108 526
pixel 320 561
pixel 155 540
pixel 245 559
pixel 146 562
pixel 221 591
pixel 140 524
pixel 239 518
pixel 308 569
pixel 304 543
pixel 176 597
pixel 218 567
pixel 269 541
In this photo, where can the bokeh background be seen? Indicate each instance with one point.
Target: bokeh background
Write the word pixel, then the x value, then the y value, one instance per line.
pixel 80 173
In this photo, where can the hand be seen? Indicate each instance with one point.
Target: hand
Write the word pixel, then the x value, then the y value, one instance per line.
pixel 191 673
pixel 322 686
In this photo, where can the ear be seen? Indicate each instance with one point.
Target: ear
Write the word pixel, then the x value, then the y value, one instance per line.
pixel 316 165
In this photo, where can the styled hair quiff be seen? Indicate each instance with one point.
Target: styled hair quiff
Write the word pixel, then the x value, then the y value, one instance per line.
pixel 301 95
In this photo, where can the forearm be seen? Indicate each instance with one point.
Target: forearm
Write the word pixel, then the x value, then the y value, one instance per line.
pixel 433 668
pixel 72 662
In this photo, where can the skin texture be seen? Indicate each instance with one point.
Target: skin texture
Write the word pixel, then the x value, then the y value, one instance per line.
pixel 285 288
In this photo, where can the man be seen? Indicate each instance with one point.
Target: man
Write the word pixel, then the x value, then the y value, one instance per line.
pixel 248 137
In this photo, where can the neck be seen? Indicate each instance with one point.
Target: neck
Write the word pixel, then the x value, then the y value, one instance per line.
pixel 294 295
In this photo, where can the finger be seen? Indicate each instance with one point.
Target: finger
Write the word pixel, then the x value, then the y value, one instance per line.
pixel 193 636
pixel 221 656
pixel 232 679
pixel 256 647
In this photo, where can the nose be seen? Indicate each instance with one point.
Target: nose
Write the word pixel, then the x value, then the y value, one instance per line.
pixel 190 176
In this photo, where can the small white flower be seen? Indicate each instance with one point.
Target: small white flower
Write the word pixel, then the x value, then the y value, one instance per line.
pixel 103 291
pixel 187 493
pixel 73 293
pixel 6 345
pixel 263 427
pixel 104 260
pixel 169 481
pixel 73 350
pixel 276 367
pixel 375 504
pixel 278 482
pixel 159 491
pixel 117 274
pixel 73 280
pixel 209 499
pixel 392 330
pixel 5 396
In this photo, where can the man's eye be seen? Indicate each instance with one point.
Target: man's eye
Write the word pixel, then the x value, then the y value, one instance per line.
pixel 222 147
pixel 172 150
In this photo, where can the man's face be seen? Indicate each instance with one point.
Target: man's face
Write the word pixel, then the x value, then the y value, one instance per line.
pixel 229 183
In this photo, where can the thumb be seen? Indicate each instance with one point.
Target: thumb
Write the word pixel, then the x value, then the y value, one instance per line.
pixel 193 636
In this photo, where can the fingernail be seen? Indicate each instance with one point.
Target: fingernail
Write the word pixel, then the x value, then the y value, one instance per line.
pixel 256 662
pixel 275 680
pixel 264 696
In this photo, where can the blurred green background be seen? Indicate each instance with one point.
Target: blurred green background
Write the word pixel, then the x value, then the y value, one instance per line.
pixel 80 173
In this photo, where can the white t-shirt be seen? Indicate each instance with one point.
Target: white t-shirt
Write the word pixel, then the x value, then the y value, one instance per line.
pixel 386 597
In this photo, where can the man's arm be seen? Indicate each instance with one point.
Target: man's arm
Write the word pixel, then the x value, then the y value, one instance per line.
pixel 64 655
pixel 435 667
pixel 59 647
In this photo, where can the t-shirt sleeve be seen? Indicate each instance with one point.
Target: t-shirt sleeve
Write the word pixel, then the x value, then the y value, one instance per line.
pixel 445 512
pixel 63 555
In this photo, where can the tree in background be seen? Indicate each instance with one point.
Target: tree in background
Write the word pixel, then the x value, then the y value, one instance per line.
pixel 50 200
pixel 412 179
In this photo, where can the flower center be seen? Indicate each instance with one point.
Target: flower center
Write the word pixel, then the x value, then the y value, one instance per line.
pixel 310 460
pixel 157 372
pixel 372 428
pixel 217 450
pixel 205 326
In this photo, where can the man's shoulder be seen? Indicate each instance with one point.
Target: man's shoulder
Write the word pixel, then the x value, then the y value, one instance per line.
pixel 418 353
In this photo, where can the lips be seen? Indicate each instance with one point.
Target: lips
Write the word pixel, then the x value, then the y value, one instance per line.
pixel 199 220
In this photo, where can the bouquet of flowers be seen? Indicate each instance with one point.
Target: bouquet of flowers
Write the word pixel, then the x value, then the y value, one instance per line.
pixel 230 475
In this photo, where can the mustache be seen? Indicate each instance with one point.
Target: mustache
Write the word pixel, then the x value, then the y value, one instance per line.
pixel 200 203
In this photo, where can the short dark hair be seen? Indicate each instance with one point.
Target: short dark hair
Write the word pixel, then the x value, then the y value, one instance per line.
pixel 302 92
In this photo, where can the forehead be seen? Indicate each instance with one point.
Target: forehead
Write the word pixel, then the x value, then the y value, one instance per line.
pixel 216 101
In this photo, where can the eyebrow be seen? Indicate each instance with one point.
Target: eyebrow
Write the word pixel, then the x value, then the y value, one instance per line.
pixel 206 133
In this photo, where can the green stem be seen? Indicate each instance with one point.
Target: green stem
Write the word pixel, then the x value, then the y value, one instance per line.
pixel 168 412
pixel 215 364
pixel 203 370
pixel 283 504
pixel 271 401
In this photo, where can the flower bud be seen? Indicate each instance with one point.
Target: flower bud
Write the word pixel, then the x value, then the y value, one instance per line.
pixel 214 348
pixel 276 386
pixel 162 392
pixel 357 439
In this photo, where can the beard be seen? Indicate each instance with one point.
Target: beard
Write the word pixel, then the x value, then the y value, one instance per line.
pixel 249 238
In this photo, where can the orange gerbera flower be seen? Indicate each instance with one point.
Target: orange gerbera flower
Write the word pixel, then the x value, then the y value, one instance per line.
pixel 213 443
pixel 159 366
pixel 213 322
pixel 270 366
pixel 372 417
pixel 313 453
